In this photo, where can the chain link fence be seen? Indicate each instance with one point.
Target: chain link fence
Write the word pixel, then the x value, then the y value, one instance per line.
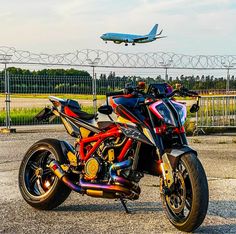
pixel 29 96
pixel 46 84
pixel 217 112
pixel 29 92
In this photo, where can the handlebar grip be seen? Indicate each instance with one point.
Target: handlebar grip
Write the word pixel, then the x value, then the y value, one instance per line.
pixel 114 93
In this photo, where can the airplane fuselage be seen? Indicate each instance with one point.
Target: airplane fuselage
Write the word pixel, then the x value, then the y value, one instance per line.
pixel 132 38
pixel 126 38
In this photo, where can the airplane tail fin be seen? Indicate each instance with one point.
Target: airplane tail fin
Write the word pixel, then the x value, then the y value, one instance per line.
pixel 153 31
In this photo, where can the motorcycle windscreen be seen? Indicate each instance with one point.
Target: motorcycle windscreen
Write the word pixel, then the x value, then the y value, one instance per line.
pixel 126 114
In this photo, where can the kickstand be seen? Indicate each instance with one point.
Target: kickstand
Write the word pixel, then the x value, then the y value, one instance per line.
pixel 123 202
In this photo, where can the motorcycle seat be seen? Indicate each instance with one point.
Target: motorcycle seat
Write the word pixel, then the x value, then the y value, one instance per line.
pixel 78 113
pixel 72 108
pixel 84 115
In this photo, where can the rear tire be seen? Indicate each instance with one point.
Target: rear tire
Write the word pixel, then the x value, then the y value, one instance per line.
pixel 38 185
pixel 187 205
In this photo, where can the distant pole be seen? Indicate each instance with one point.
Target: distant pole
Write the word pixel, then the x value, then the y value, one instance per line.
pixel 227 81
pixel 166 65
pixel 94 82
pixel 4 59
pixel 94 91
pixel 7 99
pixel 166 76
pixel 228 66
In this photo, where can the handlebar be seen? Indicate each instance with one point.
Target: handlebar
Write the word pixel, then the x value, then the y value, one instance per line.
pixel 115 93
pixel 182 92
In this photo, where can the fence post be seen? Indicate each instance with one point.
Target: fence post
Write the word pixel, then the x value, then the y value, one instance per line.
pixel 7 128
pixel 7 98
pixel 94 83
pixel 94 92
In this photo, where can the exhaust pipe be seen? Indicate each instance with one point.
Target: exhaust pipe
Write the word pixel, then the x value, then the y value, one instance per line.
pixel 57 170
pixel 100 190
pixel 121 165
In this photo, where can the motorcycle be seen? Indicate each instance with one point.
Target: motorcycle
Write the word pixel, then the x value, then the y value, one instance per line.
pixel 109 158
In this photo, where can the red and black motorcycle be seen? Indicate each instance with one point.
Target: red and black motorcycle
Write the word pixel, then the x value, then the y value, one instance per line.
pixel 110 157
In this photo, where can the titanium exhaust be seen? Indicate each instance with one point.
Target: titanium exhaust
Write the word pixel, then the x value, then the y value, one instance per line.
pixel 130 190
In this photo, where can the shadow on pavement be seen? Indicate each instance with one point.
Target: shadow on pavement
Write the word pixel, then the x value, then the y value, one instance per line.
pixel 222 228
pixel 224 209
pixel 117 207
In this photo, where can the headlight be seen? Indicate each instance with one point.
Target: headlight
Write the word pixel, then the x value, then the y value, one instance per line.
pixel 162 112
pixel 181 109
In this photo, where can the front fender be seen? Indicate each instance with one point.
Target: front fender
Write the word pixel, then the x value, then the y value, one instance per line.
pixel 177 152
pixel 174 154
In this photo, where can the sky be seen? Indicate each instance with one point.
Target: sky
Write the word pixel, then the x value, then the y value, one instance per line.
pixel 56 26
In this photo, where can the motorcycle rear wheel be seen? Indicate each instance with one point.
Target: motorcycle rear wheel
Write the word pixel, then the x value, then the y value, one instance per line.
pixel 187 205
pixel 38 185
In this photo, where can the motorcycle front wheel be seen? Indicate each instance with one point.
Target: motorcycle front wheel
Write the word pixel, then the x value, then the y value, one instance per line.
pixel 38 185
pixel 186 206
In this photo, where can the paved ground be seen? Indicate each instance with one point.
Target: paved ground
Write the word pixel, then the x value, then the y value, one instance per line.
pixel 84 214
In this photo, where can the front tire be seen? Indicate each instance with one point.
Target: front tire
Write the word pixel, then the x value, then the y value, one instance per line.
pixel 38 185
pixel 187 205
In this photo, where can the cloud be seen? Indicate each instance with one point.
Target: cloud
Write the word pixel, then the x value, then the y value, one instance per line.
pixel 58 25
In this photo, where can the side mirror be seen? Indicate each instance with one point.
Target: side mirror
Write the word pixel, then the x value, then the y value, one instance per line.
pixel 194 108
pixel 105 109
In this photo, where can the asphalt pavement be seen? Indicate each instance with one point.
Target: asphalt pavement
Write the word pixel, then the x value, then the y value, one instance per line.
pixel 83 214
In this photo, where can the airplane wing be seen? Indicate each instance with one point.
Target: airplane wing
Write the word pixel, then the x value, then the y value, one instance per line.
pixel 160 37
pixel 140 38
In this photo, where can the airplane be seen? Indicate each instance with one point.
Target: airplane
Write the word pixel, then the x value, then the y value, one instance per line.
pixel 118 38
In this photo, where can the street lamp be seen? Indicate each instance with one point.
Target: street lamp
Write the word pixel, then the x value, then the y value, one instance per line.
pixel 228 66
pixel 93 63
pixel 5 59
pixel 166 65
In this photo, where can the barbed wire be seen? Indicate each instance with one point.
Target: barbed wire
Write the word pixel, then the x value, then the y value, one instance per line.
pixel 100 58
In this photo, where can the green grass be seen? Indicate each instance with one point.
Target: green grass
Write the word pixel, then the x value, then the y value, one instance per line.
pixel 25 116
pixel 21 115
pixel 66 96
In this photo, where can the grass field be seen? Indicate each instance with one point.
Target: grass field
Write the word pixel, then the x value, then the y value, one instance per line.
pixel 66 96
pixel 85 96
pixel 25 116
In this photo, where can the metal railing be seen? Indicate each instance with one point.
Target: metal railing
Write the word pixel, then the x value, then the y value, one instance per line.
pixel 23 84
pixel 46 84
pixel 217 112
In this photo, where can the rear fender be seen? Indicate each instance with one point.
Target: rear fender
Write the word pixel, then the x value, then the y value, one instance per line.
pixel 45 115
pixel 69 152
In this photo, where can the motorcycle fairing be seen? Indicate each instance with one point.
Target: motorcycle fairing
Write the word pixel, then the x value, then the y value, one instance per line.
pixel 133 133
pixel 74 126
pixel 126 114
